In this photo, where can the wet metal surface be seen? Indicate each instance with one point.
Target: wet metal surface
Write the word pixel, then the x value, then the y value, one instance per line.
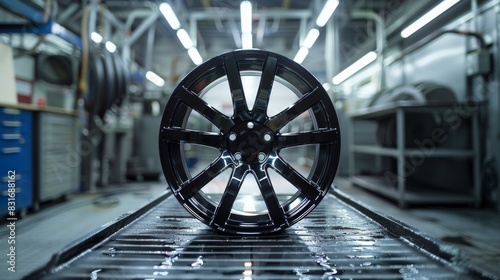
pixel 333 242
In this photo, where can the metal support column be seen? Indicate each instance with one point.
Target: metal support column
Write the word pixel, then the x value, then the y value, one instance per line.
pixel 494 107
pixel 477 181
pixel 400 131
pixel 142 28
pixel 351 132
pixel 381 38
pixel 330 43
pixel 150 42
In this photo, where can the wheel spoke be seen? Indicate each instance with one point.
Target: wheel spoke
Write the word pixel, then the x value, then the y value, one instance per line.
pixel 266 83
pixel 193 101
pixel 249 140
pixel 305 138
pixel 210 139
pixel 190 187
pixel 226 203
pixel 272 203
pixel 303 104
pixel 305 186
pixel 235 85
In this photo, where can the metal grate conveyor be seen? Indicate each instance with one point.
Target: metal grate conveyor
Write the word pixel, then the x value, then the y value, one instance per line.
pixel 340 239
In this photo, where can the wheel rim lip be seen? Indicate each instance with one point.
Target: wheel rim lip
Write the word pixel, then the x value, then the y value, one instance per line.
pixel 204 207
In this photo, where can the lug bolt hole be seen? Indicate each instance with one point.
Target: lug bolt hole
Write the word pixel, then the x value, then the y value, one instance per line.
pixel 267 137
pixel 237 156
pixel 262 156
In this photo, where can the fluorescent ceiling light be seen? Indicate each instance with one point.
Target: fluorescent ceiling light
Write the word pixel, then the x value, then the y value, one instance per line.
pixel 246 24
pixel 195 56
pixel 246 40
pixel 96 37
pixel 326 12
pixel 301 55
pixel 184 38
pixel 355 67
pixel 155 79
pixel 326 86
pixel 428 17
pixel 110 47
pixel 310 38
pixel 170 16
pixel 246 17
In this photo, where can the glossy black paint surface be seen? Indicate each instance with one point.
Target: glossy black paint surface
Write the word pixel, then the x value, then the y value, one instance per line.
pixel 250 142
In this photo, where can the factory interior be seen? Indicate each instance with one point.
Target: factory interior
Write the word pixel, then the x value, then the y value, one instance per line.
pixel 259 139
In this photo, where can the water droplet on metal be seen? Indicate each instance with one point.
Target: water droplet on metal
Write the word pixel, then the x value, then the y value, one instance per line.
pixel 111 252
pixel 93 274
pixel 408 272
pixel 198 263
pixel 301 271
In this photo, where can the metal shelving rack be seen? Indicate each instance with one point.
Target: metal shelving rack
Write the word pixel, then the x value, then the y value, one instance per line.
pixel 401 192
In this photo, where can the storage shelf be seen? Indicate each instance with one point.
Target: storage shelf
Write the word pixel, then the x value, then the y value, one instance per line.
pixel 384 110
pixel 401 190
pixel 393 152
pixel 413 194
pixel 57 156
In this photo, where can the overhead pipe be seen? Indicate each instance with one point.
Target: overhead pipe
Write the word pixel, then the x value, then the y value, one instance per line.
pixel 152 15
pixel 260 31
pixel 277 13
pixel 381 39
pixel 193 31
pixel 68 13
pixel 134 15
pixel 113 20
pixel 235 32
pixel 148 56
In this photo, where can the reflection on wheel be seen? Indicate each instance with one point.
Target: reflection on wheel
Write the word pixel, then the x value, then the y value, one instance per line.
pixel 265 137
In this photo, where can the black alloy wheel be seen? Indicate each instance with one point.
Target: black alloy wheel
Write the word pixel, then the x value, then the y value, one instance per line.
pixel 237 130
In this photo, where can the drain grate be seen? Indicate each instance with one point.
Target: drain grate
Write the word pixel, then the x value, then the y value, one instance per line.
pixel 335 241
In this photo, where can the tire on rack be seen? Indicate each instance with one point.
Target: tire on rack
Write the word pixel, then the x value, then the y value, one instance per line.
pixel 250 141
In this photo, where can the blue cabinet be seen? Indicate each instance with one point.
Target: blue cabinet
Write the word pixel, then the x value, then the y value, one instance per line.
pixel 16 154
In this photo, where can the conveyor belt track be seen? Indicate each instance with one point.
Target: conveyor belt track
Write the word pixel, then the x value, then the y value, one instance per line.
pixel 338 240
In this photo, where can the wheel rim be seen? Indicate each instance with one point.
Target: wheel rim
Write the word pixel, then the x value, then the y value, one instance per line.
pixel 250 141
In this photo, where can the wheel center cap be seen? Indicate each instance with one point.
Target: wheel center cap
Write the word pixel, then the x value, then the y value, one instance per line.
pixel 250 142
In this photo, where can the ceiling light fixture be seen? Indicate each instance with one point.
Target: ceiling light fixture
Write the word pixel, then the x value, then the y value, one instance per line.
pixel 195 56
pixel 184 38
pixel 355 67
pixel 301 55
pixel 170 16
pixel 155 79
pixel 326 86
pixel 310 38
pixel 326 12
pixel 246 40
pixel 246 16
pixel 96 37
pixel 428 17
pixel 110 46
pixel 246 24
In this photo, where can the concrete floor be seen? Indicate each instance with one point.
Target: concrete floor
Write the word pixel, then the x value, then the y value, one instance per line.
pixel 475 231
pixel 39 235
